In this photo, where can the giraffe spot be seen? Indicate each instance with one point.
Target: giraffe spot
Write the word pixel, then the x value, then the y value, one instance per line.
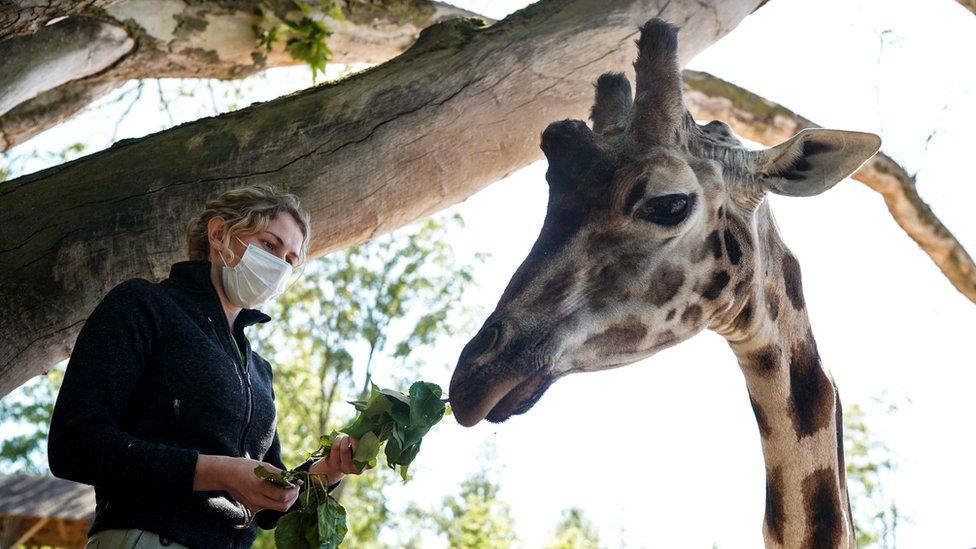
pixel 839 421
pixel 611 281
pixel 821 502
pixel 666 338
pixel 556 290
pixel 791 279
pixel 741 287
pixel 715 286
pixel 619 338
pixel 712 245
pixel 692 314
pixel 774 504
pixel 764 360
pixel 764 429
pixel 811 392
pixel 671 314
pixel 732 247
pixel 602 241
pixel 772 304
pixel 665 285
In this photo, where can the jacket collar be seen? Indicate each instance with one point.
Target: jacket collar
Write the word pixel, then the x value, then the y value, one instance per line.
pixel 194 276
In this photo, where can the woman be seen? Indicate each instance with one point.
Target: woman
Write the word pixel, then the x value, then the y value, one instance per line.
pixel 165 409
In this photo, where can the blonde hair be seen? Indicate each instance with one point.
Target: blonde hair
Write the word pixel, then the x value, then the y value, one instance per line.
pixel 245 210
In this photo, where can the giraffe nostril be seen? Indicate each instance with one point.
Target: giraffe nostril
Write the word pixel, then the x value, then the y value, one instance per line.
pixel 485 341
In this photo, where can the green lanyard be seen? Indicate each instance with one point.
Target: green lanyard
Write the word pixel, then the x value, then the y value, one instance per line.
pixel 240 356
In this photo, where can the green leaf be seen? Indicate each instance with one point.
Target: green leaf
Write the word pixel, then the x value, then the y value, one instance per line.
pixel 369 446
pixel 397 395
pixel 290 532
pixel 426 407
pixel 394 447
pixel 331 521
pixel 400 413
pixel 278 479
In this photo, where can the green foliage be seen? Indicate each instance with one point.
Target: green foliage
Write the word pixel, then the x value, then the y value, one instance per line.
pixel 389 417
pixel 475 518
pixel 30 409
pixel 574 531
pixel 304 38
pixel 870 466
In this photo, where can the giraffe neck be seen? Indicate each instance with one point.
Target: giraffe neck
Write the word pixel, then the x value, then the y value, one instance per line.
pixel 797 408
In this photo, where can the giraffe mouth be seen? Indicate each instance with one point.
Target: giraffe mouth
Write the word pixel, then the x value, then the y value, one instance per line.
pixel 521 398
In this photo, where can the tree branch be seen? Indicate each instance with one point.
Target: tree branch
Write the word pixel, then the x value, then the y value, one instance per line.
pixel 462 108
pixel 179 39
pixel 24 17
pixel 763 121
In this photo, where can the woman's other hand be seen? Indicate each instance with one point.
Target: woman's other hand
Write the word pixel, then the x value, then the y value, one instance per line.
pixel 339 463
pixel 236 476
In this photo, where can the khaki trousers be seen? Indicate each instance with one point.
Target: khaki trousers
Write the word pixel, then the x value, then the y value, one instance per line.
pixel 130 538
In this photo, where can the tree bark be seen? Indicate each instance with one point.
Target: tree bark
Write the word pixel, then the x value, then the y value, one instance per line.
pixel 24 17
pixel 460 109
pixel 174 38
pixel 71 50
pixel 763 121
pixel 969 5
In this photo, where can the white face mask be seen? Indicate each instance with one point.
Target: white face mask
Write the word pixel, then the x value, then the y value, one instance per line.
pixel 256 278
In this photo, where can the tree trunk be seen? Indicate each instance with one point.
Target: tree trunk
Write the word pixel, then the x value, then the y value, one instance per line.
pixel 48 76
pixel 761 120
pixel 460 109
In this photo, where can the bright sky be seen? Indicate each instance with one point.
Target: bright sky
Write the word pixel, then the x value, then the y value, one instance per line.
pixel 665 453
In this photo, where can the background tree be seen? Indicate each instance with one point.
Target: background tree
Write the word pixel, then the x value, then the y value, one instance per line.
pixel 29 411
pixel 474 518
pixel 574 531
pixel 871 469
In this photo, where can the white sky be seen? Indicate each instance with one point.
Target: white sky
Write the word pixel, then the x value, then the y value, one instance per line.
pixel 665 453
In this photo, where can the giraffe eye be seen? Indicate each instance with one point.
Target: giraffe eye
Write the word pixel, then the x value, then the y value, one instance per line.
pixel 667 210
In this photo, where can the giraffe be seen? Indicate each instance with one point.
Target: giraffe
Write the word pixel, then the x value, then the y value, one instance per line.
pixel 657 228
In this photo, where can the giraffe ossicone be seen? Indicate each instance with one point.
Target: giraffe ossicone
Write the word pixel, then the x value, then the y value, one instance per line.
pixel 657 228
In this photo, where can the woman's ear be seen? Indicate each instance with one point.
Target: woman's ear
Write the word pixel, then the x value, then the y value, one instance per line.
pixel 215 232
pixel 813 161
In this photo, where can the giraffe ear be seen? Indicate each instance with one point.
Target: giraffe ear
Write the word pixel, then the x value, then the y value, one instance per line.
pixel 814 160
pixel 571 148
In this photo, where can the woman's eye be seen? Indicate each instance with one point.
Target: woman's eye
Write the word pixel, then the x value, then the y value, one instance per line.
pixel 668 210
pixel 269 245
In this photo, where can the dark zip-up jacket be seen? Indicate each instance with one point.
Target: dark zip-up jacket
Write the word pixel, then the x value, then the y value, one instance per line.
pixel 152 383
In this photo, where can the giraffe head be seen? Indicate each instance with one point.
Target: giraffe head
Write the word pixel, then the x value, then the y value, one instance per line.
pixel 650 235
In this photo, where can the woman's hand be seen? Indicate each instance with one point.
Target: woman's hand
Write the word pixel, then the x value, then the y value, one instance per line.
pixel 339 463
pixel 236 476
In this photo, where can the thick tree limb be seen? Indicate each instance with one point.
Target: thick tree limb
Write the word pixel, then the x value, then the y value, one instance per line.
pixel 969 5
pixel 460 109
pixel 24 17
pixel 174 38
pixel 763 121
pixel 70 50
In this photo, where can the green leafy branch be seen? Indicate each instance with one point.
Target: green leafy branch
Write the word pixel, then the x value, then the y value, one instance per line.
pixel 388 420
pixel 305 38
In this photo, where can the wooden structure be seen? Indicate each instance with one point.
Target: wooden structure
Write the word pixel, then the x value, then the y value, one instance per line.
pixel 44 510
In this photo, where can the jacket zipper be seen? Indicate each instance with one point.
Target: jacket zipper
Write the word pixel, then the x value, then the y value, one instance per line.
pixel 242 370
